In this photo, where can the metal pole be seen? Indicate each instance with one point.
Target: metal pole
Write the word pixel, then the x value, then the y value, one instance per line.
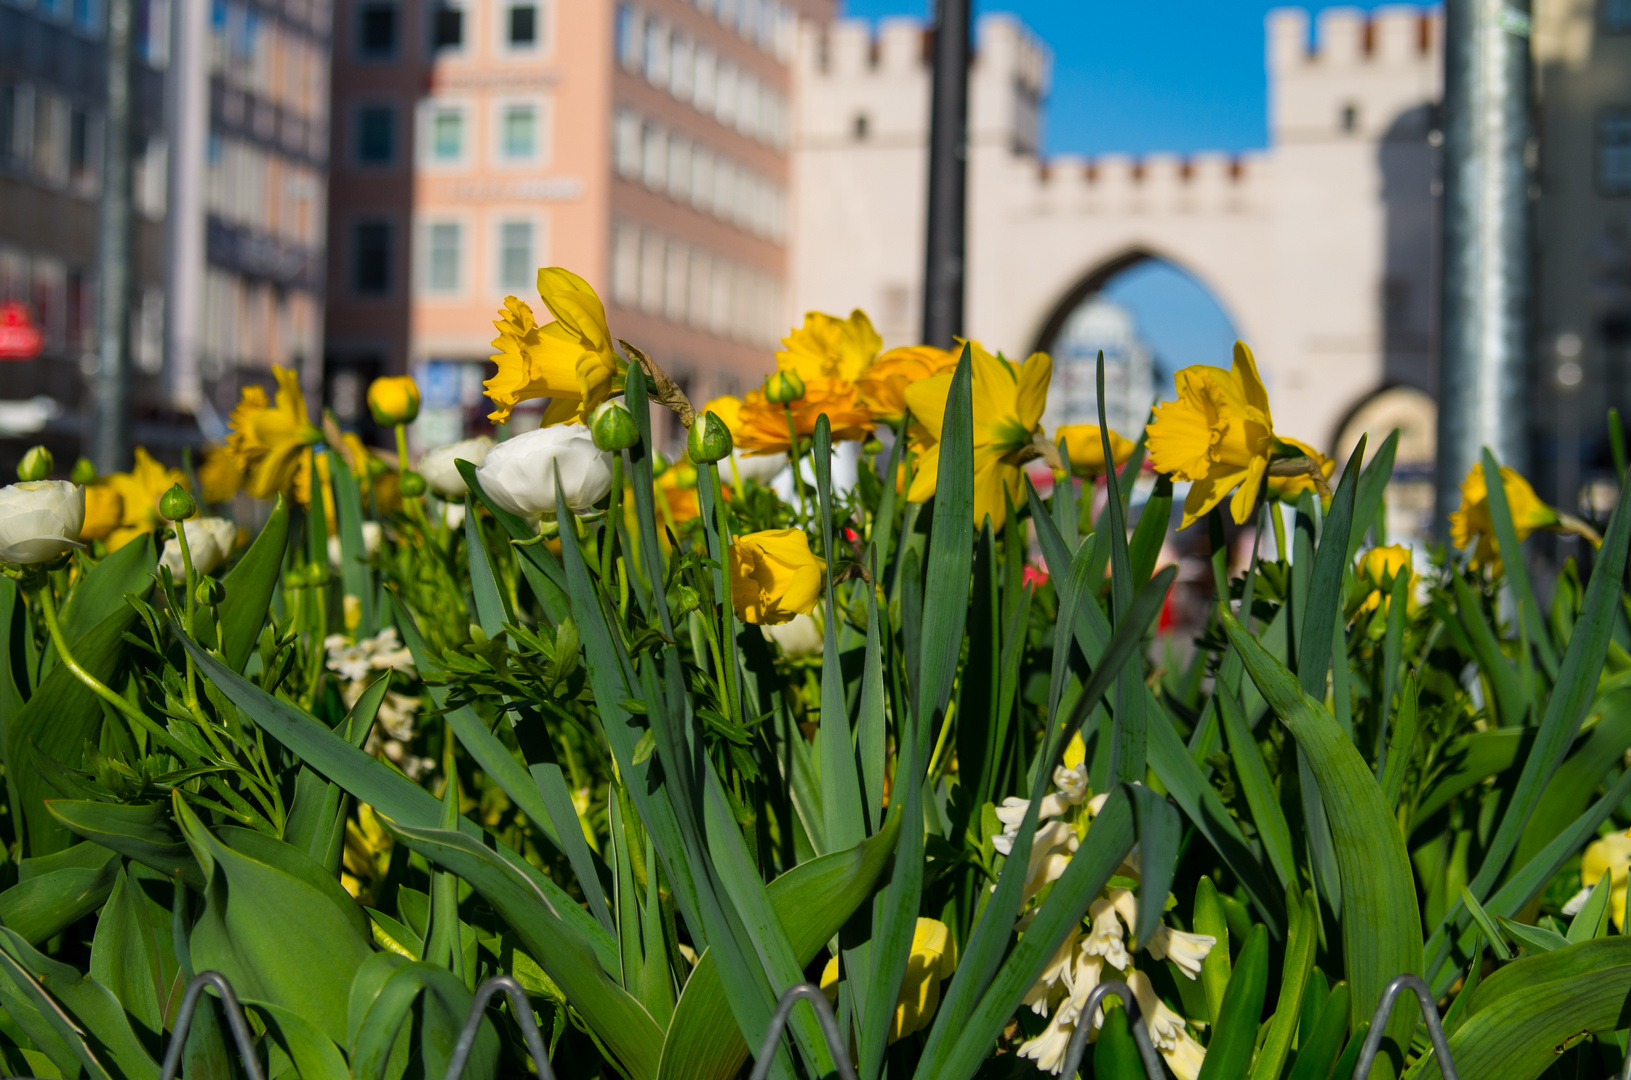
pixel 187 118
pixel 109 437
pixel 1485 343
pixel 948 176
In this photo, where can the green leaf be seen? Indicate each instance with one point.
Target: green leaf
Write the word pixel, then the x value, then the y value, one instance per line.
pixel 812 901
pixel 1129 739
pixel 355 576
pixel 1591 921
pixel 41 907
pixel 491 611
pixel 539 567
pixel 276 935
pixel 139 831
pixel 98 1031
pixel 1373 484
pixel 1318 1048
pixel 1512 697
pixel 1517 574
pixel 249 587
pixel 133 953
pixel 1469 761
pixel 446 1001
pixel 1258 787
pixel 1301 944
pixel 59 719
pixel 102 592
pixel 1209 919
pixel 1492 930
pixel 1230 1050
pixel 1381 933
pixel 1521 1014
pixel 314 1054
pixel 615 1017
pixel 1534 938
pixel 845 813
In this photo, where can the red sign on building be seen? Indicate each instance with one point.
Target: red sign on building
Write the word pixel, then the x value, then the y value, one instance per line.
pixel 20 339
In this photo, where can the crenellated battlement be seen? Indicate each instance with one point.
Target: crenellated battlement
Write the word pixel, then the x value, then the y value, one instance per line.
pixel 898 48
pixel 1349 37
pixel 1153 181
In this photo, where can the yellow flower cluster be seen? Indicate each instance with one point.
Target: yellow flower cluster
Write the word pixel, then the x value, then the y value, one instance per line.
pixel 120 507
pixel 572 361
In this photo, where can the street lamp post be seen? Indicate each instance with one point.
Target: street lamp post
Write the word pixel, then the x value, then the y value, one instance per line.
pixel 943 271
pixel 109 435
pixel 1487 213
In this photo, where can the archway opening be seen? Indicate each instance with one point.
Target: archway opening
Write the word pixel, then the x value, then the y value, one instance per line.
pixel 1151 317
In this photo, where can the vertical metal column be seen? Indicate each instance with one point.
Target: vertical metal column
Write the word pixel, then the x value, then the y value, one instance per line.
pixel 943 270
pixel 187 118
pixel 1486 339
pixel 109 434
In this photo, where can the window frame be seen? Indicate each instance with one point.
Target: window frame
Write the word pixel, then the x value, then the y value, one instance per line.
pixel 540 28
pixel 538 250
pixel 360 49
pixel 429 110
pixel 466 14
pixel 424 233
pixel 359 115
pixel 540 154
pixel 354 256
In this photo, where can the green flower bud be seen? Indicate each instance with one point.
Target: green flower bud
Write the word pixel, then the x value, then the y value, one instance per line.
pixel 659 463
pixel 412 485
pixel 84 472
pixel 549 528
pixel 613 427
pixel 872 446
pixel 37 464
pixel 176 504
pixel 710 439
pixel 209 592
pixel 784 387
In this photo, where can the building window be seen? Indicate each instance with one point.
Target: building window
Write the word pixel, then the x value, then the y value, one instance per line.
pixel 657 54
pixel 681 67
pixel 371 258
pixel 626 136
pixel 447 134
pixel 81 150
pixel 446 28
pixel 703 90
pixel 626 266
pixel 442 256
pixel 630 37
pixel 516 265
pixel 655 153
pixel 523 28
pixel 376 30
pixel 1614 151
pixel 679 168
pixel 376 135
pixel 520 132
pixel 1616 15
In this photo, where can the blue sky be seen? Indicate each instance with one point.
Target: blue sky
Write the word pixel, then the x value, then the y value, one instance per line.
pixel 1173 75
pixel 1178 75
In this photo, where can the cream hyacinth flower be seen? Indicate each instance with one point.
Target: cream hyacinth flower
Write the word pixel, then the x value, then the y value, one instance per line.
pixel 1106 938
pixel 1057 971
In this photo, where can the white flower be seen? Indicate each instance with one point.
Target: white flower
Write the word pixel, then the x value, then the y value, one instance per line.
pixel 758 468
pixel 1051 849
pixel 39 520
pixel 210 540
pixel 1048 1049
pixel 442 475
pixel 1185 950
pixel 1106 939
pixel 1165 1026
pixel 453 514
pixel 519 475
pixel 385 650
pixel 799 636
pixel 1095 805
pixel 1126 905
pixel 1058 969
pixel 1576 902
pixel 351 661
pixel 1072 783
pixel 1082 977
pixel 371 535
pixel 1185 1057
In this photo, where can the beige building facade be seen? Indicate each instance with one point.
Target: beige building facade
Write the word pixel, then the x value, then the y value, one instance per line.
pixel 643 145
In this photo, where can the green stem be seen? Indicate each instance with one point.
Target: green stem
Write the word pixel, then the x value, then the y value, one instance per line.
pixel 610 531
pixel 1279 530
pixel 191 576
pixel 793 457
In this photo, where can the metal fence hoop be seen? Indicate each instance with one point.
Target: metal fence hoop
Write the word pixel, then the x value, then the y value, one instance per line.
pixel 824 1017
pixel 235 1020
pixel 1429 1012
pixel 521 1005
pixel 1084 1025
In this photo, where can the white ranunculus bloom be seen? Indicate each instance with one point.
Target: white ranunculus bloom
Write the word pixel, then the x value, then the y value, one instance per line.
pixel 760 468
pixel 442 475
pixel 519 474
pixel 39 520
pixel 371 534
pixel 799 636
pixel 211 540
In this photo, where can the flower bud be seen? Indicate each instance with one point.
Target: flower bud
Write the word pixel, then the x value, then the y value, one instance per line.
pixel 549 528
pixel 659 463
pixel 519 474
pixel 37 464
pixel 394 399
pixel 84 472
pixel 210 592
pixel 176 504
pixel 412 485
pixel 872 446
pixel 613 427
pixel 784 387
pixel 440 468
pixel 709 440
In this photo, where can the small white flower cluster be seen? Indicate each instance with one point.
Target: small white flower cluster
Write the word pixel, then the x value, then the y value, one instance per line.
pixel 1079 963
pixel 356 663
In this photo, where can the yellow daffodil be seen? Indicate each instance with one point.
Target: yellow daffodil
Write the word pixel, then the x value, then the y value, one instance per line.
pixel 1218 435
pixel 1288 488
pixel 573 361
pixel 1611 855
pixel 219 476
pixel 139 491
pixel 104 512
pixel 760 426
pixel 393 399
pixel 1472 524
pixel 1378 568
pixel 1086 448
pixel 827 347
pixel 932 960
pixel 1008 403
pixel 774 576
pixel 271 441
pixel 884 383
